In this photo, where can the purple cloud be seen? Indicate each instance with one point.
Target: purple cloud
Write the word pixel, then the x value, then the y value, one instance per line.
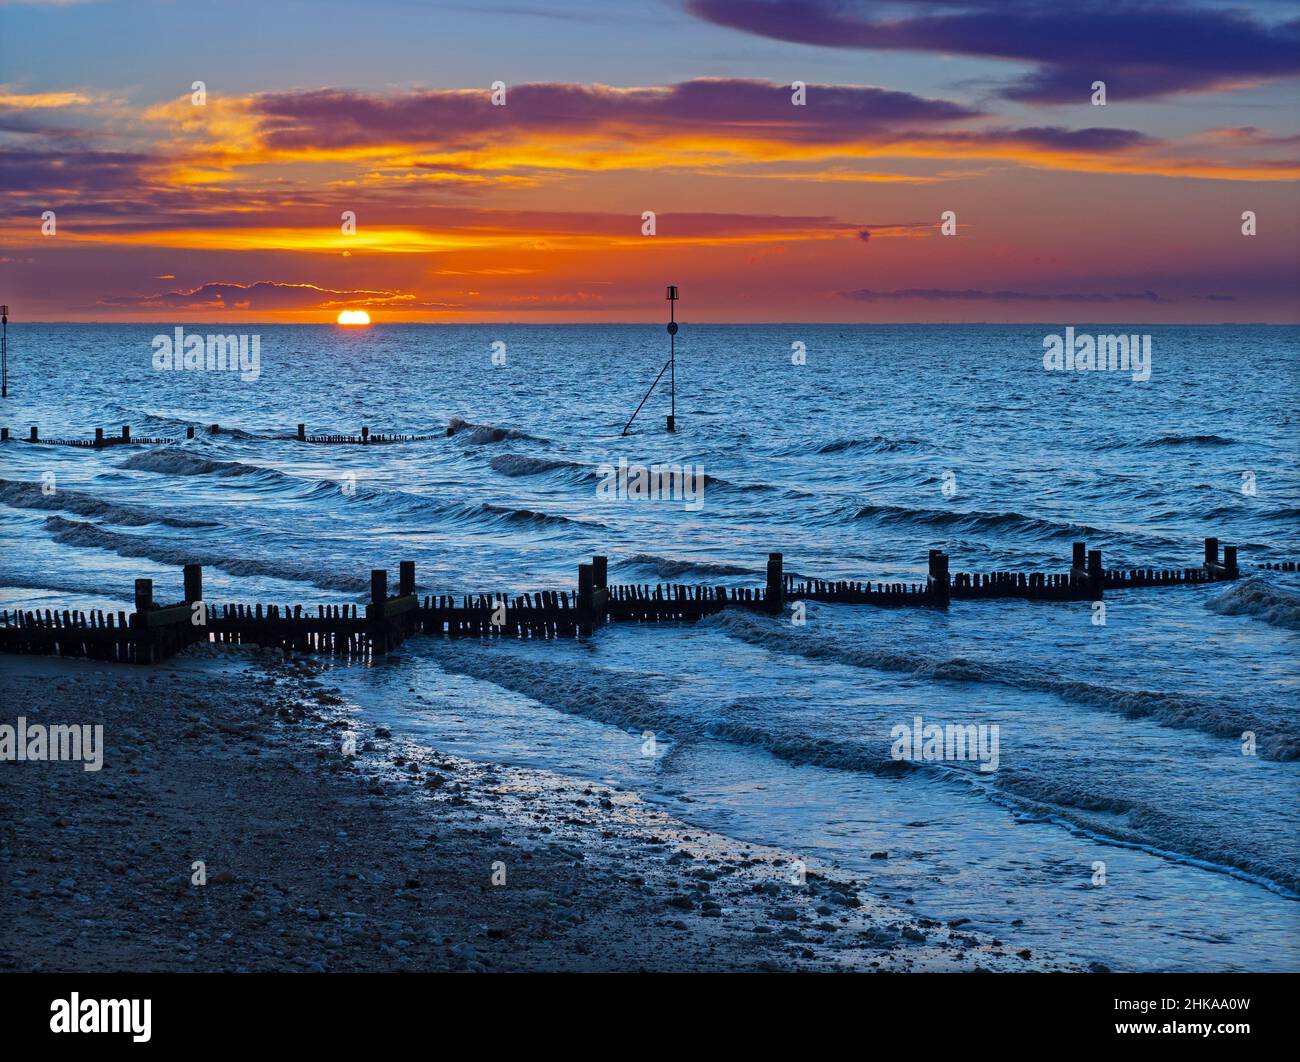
pixel 263 295
pixel 1139 50
pixel 978 295
pixel 466 119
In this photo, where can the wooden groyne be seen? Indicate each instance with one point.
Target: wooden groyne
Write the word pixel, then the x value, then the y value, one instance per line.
pixel 364 439
pixel 148 635
pixel 99 442
pixel 154 632
pixel 102 440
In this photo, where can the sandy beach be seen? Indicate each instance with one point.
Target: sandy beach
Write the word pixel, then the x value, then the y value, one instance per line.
pixel 328 847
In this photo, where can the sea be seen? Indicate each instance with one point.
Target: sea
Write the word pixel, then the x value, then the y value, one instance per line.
pixel 1143 812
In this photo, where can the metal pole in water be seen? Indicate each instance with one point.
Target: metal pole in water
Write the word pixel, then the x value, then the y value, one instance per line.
pixel 670 364
pixel 4 351
pixel 672 355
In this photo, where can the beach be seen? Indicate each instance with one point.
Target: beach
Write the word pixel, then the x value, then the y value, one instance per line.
pixel 1115 799
pixel 319 859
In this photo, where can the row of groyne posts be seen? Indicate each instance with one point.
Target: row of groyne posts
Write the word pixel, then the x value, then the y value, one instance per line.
pixel 102 440
pixel 154 632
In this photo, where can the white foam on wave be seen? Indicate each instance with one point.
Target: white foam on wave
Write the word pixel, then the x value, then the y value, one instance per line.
pixel 1260 599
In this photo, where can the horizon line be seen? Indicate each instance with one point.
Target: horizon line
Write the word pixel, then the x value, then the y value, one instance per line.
pixel 700 324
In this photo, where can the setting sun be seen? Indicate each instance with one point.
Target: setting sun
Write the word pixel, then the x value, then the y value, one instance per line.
pixel 354 317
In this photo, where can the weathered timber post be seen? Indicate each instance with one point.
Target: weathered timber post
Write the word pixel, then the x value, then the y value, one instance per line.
pixel 599 589
pixel 365 435
pixel 35 437
pixel 193 594
pixel 1096 574
pixel 1079 562
pixel 126 433
pixel 99 437
pixel 193 583
pixel 215 429
pixel 302 432
pixel 406 578
pixel 189 431
pixel 142 636
pixel 585 603
pixel 1230 562
pixel 375 610
pixel 4 434
pixel 1211 553
pixel 940 586
pixel 774 596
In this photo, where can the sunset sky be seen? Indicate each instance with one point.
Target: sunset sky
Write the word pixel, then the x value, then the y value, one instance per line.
pixel 765 211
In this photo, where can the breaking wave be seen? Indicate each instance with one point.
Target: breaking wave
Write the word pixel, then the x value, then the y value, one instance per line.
pixel 526 465
pixel 637 704
pixel 480 434
pixel 672 568
pixel 875 444
pixel 1258 598
pixel 179 463
pixel 78 533
pixel 30 496
pixel 1276 741
pixel 511 515
pixel 972 521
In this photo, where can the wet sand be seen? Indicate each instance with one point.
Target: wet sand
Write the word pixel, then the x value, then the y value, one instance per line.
pixel 329 847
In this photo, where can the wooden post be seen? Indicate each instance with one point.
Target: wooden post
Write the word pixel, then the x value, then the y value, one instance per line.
pixel 365 435
pixel 302 432
pixel 99 437
pixel 34 435
pixel 406 578
pixel 940 585
pixel 141 634
pixel 4 434
pixel 600 572
pixel 586 586
pixel 375 611
pixel 193 583
pixel 1211 552
pixel 189 432
pixel 190 632
pixel 1078 562
pixel 215 429
pixel 126 433
pixel 774 597
pixel 1230 561
pixel 1096 574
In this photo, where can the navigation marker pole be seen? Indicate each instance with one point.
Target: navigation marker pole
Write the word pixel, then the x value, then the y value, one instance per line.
pixel 672 355
pixel 671 365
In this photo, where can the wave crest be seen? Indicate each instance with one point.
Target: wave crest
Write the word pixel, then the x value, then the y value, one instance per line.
pixel 23 495
pixel 1258 598
pixel 481 434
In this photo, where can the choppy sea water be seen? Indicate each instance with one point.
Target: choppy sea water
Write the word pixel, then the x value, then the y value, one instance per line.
pixel 1119 744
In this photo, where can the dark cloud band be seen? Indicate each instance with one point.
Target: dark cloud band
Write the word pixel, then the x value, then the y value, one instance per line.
pixel 1139 50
